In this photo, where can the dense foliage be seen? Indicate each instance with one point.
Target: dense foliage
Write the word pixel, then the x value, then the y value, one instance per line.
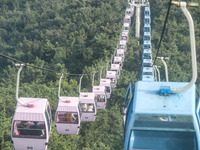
pixel 79 36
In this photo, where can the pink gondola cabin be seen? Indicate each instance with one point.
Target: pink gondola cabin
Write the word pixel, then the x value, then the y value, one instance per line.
pixel 116 67
pixel 88 106
pixel 31 126
pixel 107 84
pixel 100 96
pixel 112 76
pixel 67 117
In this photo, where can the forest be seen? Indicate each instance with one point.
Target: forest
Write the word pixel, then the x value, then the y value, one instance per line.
pixel 79 36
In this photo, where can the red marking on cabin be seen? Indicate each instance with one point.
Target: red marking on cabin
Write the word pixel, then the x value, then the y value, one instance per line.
pixel 30 105
pixel 67 101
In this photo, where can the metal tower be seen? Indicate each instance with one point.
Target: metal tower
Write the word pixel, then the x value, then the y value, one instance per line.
pixel 138 4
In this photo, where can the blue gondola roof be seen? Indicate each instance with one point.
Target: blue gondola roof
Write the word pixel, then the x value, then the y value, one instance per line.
pixel 149 100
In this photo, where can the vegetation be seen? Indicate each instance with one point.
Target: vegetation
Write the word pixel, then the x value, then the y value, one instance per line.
pixel 79 36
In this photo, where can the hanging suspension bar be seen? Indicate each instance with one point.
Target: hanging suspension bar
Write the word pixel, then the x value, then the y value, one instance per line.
pixel 101 72
pixel 111 59
pixel 107 66
pixel 158 71
pixel 192 43
pixel 93 77
pixel 169 90
pixel 66 101
pixel 80 84
pixel 59 86
pixel 115 51
pixel 155 73
pixel 166 68
pixel 17 86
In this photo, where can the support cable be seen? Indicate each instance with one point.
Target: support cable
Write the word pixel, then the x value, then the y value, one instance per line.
pixel 166 18
pixel 45 69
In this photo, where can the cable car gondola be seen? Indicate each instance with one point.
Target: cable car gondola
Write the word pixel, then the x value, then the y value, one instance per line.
pixel 107 84
pixel 32 121
pixel 88 103
pixel 67 119
pixel 126 27
pixel 67 116
pixel 118 60
pixel 124 36
pixel 121 53
pixel 88 106
pixel 100 96
pixel 122 45
pixel 127 19
pixel 116 67
pixel 112 76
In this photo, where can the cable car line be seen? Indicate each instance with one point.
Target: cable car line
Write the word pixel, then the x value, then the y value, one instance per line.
pixel 45 69
pixel 13 59
pixel 166 18
pixel 27 64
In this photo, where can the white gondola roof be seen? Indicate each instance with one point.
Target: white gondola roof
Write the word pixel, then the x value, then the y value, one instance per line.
pixel 70 104
pixel 115 67
pixel 34 113
pixel 38 105
pixel 128 9
pixel 111 73
pixel 105 82
pixel 127 17
pixel 117 59
pixel 122 42
pixel 98 89
pixel 126 24
pixel 120 51
pixel 86 95
pixel 124 34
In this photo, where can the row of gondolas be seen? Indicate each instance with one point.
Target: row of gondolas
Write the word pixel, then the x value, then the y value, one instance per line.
pixel 147 64
pixel 32 121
